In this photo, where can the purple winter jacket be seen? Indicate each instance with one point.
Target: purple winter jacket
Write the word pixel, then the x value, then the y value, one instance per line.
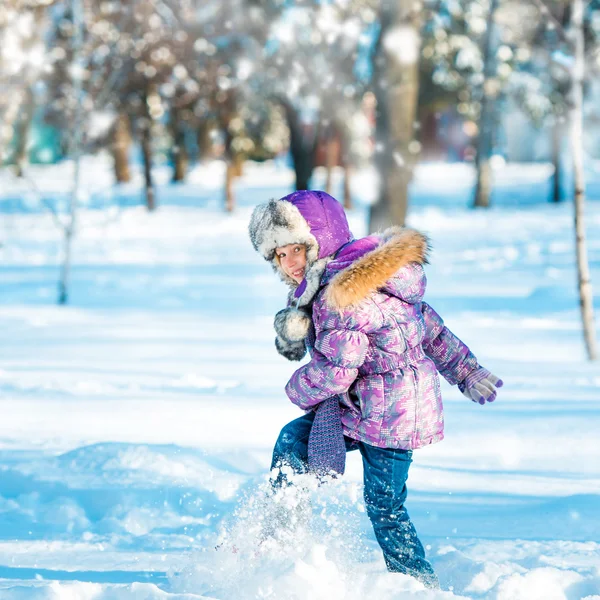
pixel 376 345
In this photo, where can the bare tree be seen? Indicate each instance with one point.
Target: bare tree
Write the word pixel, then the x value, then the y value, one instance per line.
pixel 120 143
pixel 397 91
pixel 75 148
pixel 485 138
pixel 303 144
pixel 583 269
pixel 308 66
pixel 179 152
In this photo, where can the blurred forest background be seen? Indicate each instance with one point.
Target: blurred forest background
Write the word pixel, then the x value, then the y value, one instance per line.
pixel 310 83
pixel 327 83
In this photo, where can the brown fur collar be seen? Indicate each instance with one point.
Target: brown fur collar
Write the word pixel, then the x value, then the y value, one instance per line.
pixel 398 247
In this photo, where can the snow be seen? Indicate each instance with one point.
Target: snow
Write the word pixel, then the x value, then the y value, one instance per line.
pixel 138 421
pixel 403 44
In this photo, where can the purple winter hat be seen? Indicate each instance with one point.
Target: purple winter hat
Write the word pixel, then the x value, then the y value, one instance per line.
pixel 309 217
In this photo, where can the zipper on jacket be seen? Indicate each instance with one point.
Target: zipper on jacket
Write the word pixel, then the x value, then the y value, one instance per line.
pixel 417 400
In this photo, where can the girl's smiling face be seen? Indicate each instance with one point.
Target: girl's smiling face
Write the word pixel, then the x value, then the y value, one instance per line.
pixel 292 259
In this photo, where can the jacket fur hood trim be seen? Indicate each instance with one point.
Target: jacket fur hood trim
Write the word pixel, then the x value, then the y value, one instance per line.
pixel 399 246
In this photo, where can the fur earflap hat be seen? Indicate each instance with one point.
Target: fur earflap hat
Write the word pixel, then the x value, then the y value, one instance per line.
pixel 316 220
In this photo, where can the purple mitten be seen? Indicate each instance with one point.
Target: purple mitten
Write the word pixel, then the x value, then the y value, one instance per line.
pixel 480 386
pixel 326 446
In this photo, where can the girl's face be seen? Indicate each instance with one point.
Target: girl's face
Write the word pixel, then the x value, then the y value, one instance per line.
pixel 292 259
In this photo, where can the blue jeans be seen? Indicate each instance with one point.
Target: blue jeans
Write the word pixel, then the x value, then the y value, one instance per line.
pixel 385 475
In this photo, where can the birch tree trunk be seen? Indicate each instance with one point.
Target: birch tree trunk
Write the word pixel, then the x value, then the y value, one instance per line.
pixel 583 269
pixel 75 150
pixel 485 139
pixel 397 90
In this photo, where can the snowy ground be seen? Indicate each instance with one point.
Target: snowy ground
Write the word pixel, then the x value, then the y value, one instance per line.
pixel 138 420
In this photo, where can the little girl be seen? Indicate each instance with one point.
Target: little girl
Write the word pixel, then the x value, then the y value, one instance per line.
pixel 376 349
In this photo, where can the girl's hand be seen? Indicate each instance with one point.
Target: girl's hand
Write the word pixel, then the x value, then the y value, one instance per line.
pixel 480 386
pixel 292 324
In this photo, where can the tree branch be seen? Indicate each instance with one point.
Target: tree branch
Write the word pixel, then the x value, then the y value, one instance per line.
pixel 55 216
pixel 558 26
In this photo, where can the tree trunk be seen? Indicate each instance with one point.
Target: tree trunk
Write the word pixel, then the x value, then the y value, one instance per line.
pixel 234 169
pixel 485 139
pixel 330 157
pixel 147 156
pixel 344 156
pixel 483 185
pixel 303 167
pixel 180 160
pixel 22 131
pixel 179 155
pixel 7 125
pixel 583 269
pixel 229 179
pixel 204 141
pixel 234 161
pixel 75 151
pixel 347 196
pixel 556 160
pixel 120 149
pixel 303 146
pixel 397 91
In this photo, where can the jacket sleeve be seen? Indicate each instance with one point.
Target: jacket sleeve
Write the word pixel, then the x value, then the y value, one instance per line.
pixel 451 356
pixel 338 353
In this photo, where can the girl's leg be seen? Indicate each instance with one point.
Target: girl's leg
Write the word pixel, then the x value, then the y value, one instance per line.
pixel 291 504
pixel 291 448
pixel 289 507
pixel 385 473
